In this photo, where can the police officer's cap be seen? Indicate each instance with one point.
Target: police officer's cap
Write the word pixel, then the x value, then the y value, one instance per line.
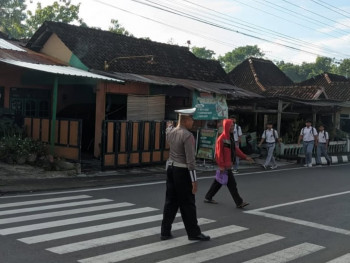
pixel 186 112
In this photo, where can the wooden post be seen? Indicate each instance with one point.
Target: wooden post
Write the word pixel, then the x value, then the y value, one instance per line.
pixel 279 116
pixel 53 118
pixel 314 118
pixel 100 116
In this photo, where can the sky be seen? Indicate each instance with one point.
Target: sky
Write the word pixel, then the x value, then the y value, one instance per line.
pixel 294 31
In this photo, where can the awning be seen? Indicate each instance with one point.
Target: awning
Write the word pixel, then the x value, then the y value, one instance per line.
pixel 60 70
pixel 201 86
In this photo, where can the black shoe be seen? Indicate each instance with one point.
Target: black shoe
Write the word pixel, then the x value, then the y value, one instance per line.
pixel 243 204
pixel 166 237
pixel 200 237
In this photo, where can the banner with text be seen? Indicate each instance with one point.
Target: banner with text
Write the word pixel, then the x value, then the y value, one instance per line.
pixel 209 106
pixel 206 143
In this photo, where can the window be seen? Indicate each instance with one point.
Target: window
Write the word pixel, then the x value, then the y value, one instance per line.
pixel 30 102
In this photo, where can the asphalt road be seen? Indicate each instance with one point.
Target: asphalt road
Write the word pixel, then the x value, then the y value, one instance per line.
pixel 296 215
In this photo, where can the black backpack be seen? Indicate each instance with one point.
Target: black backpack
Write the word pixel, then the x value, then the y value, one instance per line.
pixel 273 133
pixel 311 131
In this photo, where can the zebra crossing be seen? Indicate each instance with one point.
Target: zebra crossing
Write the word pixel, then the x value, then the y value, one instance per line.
pixel 41 221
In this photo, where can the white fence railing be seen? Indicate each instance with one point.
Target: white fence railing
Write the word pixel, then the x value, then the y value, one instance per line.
pixel 294 150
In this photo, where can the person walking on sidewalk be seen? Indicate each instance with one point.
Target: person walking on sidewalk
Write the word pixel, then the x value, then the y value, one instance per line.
pixel 322 146
pixel 237 135
pixel 270 136
pixel 309 136
pixel 225 152
pixel 181 183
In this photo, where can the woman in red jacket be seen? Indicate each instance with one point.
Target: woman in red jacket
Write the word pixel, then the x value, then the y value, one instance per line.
pixel 225 153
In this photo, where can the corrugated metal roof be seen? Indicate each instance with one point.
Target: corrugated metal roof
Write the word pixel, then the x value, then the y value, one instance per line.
pixel 61 70
pixel 203 86
pixel 7 45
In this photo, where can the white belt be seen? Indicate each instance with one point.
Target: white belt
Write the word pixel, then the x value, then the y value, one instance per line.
pixel 176 164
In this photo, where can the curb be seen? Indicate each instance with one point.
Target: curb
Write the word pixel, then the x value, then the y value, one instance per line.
pixel 335 159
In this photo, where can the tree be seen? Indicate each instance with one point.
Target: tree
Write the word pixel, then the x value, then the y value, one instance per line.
pixel 12 13
pixel 238 55
pixel 118 29
pixel 344 68
pixel 291 70
pixel 202 52
pixel 62 11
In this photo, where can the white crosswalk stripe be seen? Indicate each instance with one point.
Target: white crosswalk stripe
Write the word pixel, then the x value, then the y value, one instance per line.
pixel 53 215
pixel 72 247
pixel 51 207
pixel 226 249
pixel 62 213
pixel 157 246
pixel 78 220
pixel 343 259
pixel 288 254
pixel 89 230
pixel 43 201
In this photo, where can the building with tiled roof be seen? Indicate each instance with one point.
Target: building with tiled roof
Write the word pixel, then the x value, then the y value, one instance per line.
pixel 297 92
pixel 104 50
pixel 257 75
pixel 324 79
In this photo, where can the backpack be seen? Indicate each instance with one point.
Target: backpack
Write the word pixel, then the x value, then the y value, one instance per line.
pixel 273 133
pixel 311 131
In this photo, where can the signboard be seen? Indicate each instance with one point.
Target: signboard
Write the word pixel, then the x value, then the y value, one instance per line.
pixel 209 106
pixel 206 143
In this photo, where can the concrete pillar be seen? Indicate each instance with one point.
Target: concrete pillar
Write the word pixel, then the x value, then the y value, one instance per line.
pixel 100 116
pixel 279 116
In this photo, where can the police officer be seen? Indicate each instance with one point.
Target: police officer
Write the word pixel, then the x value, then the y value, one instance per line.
pixel 181 184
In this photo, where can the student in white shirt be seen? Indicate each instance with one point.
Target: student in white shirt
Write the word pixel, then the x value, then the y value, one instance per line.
pixel 270 136
pixel 309 136
pixel 323 140
pixel 237 134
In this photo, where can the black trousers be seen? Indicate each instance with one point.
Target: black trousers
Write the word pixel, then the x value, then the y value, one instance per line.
pixel 179 195
pixel 231 185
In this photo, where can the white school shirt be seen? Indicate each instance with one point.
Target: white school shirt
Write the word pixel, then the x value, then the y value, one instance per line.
pixel 323 137
pixel 269 136
pixel 237 132
pixel 308 134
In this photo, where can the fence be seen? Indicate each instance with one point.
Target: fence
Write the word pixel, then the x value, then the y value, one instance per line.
pixel 67 139
pixel 294 150
pixel 133 143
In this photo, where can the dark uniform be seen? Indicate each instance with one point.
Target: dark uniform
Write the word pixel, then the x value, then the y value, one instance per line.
pixel 181 174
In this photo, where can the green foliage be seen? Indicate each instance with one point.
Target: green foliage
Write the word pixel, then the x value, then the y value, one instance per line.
pixel 12 14
pixel 118 29
pixel 15 147
pixel 62 11
pixel 231 59
pixel 344 68
pixel 302 72
pixel 202 52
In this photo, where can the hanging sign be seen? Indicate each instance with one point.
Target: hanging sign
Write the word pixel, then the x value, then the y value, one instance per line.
pixel 209 106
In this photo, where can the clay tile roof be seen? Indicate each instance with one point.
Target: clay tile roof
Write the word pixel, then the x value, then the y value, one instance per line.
pixel 257 75
pixel 127 54
pixel 298 92
pixel 323 79
pixel 338 91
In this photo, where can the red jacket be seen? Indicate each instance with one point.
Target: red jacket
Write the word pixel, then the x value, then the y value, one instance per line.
pixel 223 147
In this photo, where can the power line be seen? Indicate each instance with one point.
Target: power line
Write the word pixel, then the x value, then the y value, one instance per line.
pixel 329 7
pixel 303 17
pixel 312 12
pixel 334 7
pixel 260 28
pixel 156 6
